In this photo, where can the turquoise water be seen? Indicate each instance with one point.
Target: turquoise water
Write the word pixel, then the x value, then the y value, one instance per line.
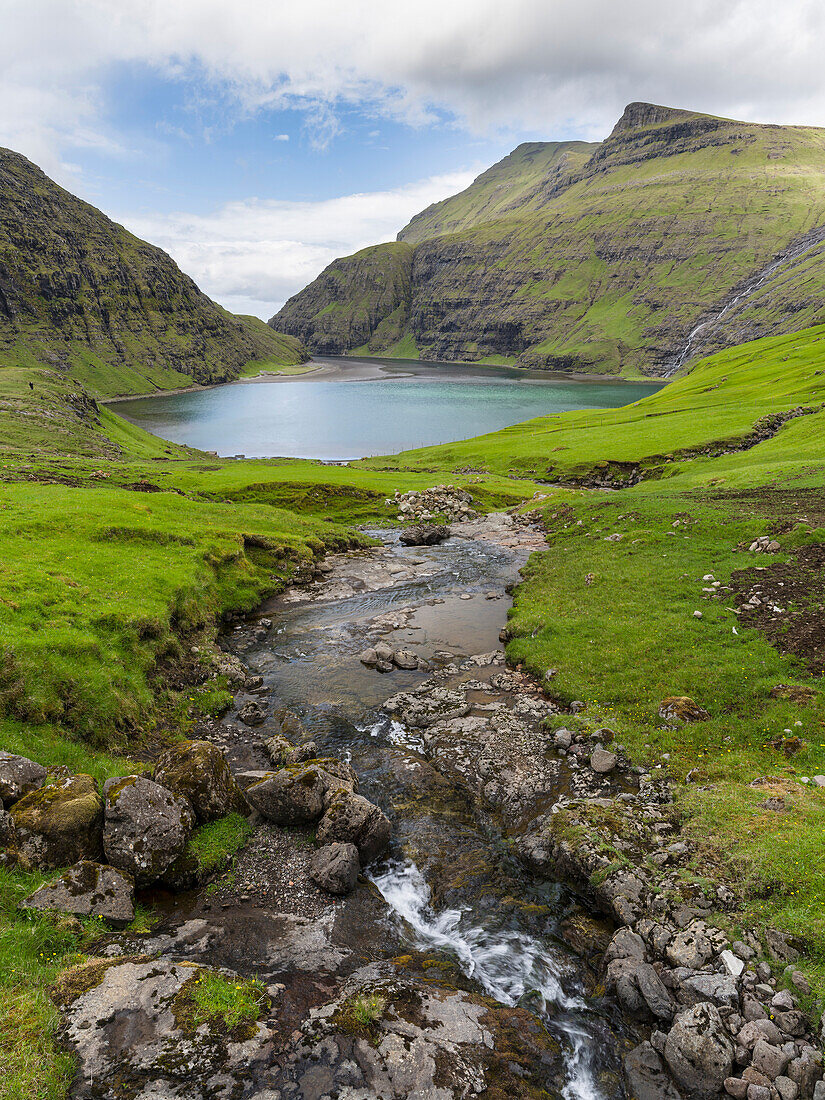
pixel 399 408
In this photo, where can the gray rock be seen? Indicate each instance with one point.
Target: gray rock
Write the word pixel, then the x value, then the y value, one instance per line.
pixel 759 1092
pixel 769 1059
pixel 716 988
pixel 563 739
pixel 732 962
pixel 625 944
pixel 335 868
pixel 145 827
pixel 283 752
pixel 603 761
pixel 752 1032
pixel 8 840
pixel 352 819
pixel 819 1091
pixel 698 1050
pixel 779 946
pixel 654 993
pixel 690 948
pixel 122 1021
pixel 19 776
pixel 89 890
pixel 787 1089
pixel 805 1071
pixel 645 1076
pixel 782 1000
pixel 369 658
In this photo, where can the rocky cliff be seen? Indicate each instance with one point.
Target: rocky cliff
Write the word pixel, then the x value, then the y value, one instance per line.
pixel 599 257
pixel 78 292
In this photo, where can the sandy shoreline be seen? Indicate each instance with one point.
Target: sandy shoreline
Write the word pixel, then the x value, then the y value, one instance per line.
pixel 366 370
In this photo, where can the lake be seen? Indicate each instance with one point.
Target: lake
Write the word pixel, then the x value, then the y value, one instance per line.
pixel 350 409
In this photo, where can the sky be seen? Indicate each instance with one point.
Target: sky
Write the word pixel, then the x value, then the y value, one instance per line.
pixel 256 140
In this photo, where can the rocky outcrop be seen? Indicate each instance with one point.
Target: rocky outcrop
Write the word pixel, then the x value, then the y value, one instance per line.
pixel 146 827
pixel 61 823
pixel 89 890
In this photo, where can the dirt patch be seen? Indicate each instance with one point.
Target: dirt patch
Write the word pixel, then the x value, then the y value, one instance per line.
pixel 786 602
pixel 785 507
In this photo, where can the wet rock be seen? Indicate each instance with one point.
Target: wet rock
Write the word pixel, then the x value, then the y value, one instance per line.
pixel 252 714
pixel 198 772
pixel 129 1022
pixel 352 819
pixel 89 890
pixel 61 823
pixel 603 761
pixel 369 658
pixel 335 868
pixel 19 776
pixel 681 708
pixel 146 827
pixel 283 753
pixel 422 534
pixel 405 659
pixel 645 1076
pixel 698 1050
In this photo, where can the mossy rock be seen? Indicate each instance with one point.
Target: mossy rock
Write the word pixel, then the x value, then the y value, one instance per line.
pixel 61 823
pixel 198 771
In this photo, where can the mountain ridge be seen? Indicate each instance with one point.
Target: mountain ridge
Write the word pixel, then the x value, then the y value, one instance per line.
pixel 598 257
pixel 81 293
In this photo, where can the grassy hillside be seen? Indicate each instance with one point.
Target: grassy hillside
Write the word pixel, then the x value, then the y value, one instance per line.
pixel 604 263
pixel 78 293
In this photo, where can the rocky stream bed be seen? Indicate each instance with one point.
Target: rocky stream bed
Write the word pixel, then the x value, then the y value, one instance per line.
pixel 518 936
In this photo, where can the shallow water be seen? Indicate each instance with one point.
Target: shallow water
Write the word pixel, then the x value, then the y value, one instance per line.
pixel 450 880
pixel 396 409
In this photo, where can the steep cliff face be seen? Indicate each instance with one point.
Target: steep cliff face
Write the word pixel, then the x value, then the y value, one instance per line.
pixel 604 258
pixel 77 291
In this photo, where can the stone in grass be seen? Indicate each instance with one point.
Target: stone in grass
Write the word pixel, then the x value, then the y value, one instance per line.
pixel 19 776
pixel 61 823
pixel 146 827
pixel 89 890
pixel 681 708
pixel 603 761
pixel 198 771
pixel 352 819
pixel 335 868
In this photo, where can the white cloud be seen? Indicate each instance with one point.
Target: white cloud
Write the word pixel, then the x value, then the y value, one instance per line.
pixel 523 64
pixel 281 137
pixel 251 256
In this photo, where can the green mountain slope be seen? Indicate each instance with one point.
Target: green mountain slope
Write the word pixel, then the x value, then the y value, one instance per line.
pixel 602 258
pixel 81 294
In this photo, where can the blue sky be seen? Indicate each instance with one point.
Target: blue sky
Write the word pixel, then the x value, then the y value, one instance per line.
pixel 257 140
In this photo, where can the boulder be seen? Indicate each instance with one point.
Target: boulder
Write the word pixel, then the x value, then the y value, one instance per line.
pixel 645 1076
pixel 603 761
pixel 61 823
pixel 292 796
pixel 335 868
pixel 146 827
pixel 19 776
pixel 690 948
pixel 281 751
pixel 405 659
pixel 89 890
pixel 252 714
pixel 719 989
pixel 198 772
pixel 423 534
pixel 681 708
pixel 352 819
pixel 698 1050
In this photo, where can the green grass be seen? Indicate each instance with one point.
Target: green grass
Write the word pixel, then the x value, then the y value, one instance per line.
pixel 218 841
pixel 231 1002
pixel 367 1009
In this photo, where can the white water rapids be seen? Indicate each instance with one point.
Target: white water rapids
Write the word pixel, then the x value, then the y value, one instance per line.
pixel 510 966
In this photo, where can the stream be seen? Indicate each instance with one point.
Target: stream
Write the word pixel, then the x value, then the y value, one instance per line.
pixel 451 886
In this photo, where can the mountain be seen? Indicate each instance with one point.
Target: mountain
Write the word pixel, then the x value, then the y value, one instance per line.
pixel 79 292
pixel 601 257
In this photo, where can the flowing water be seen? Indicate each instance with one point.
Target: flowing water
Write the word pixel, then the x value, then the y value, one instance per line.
pixel 391 407
pixel 452 885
